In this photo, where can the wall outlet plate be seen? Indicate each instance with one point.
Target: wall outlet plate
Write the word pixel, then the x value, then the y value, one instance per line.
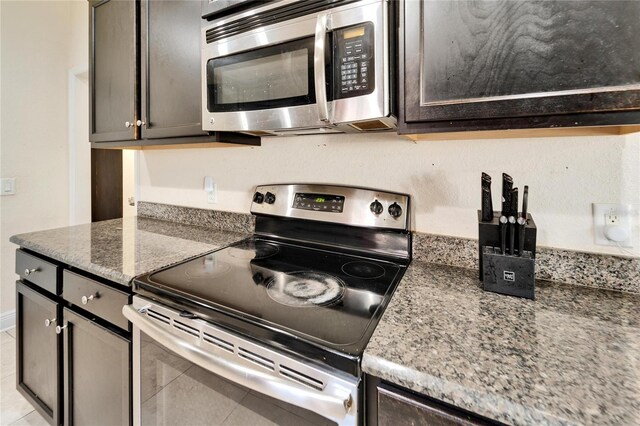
pixel 620 215
pixel 8 186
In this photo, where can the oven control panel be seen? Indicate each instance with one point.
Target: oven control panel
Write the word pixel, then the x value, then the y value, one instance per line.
pixel 332 203
pixel 353 49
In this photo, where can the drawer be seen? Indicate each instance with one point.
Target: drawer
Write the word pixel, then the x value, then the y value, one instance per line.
pixel 38 271
pixel 95 297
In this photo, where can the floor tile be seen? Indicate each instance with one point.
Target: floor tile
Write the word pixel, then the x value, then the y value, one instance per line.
pixel 7 355
pixel 12 332
pixel 197 397
pixel 256 411
pixel 32 419
pixel 309 416
pixel 160 368
pixel 12 405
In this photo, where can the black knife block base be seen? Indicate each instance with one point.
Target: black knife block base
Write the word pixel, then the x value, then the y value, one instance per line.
pixel 506 274
pixel 489 235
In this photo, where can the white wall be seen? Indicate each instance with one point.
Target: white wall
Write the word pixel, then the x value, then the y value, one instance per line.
pixel 565 175
pixel 40 42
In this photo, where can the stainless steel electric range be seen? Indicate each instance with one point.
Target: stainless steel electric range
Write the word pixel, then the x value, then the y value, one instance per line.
pixel 272 329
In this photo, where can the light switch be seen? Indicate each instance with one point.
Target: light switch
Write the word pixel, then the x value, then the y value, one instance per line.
pixel 8 186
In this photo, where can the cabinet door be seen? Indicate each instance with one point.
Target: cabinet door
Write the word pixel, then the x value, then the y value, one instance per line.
pixel 396 407
pixel 39 352
pixel 97 385
pixel 112 70
pixel 170 78
pixel 491 59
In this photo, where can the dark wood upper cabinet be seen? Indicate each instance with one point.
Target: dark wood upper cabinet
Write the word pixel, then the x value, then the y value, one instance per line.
pixel 112 71
pixel 492 62
pixel 145 77
pixel 170 59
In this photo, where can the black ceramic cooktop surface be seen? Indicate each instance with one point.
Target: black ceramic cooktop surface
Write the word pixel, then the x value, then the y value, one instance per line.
pixel 326 297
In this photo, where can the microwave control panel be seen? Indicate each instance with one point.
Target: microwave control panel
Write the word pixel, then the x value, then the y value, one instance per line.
pixel 353 52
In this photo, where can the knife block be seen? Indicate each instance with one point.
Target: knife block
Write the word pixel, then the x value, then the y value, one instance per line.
pixel 506 274
pixel 489 235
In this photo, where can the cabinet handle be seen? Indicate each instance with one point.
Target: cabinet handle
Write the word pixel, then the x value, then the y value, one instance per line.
pixel 31 271
pixel 140 123
pixel 59 329
pixel 87 299
pixel 48 322
pixel 128 124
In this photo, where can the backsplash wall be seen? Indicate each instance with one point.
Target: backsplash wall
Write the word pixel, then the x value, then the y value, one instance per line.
pixel 565 175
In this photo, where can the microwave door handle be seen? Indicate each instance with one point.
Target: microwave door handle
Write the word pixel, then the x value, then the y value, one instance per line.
pixel 318 67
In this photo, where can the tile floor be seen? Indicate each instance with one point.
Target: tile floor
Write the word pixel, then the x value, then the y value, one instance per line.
pixel 14 409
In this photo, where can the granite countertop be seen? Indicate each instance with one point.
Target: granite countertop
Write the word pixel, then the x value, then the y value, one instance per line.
pixel 121 249
pixel 572 356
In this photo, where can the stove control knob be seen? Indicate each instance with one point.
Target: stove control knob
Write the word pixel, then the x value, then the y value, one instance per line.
pixel 395 210
pixel 376 207
pixel 258 197
pixel 269 198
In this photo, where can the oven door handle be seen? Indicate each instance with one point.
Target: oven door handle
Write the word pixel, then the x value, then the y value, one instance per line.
pixel 319 67
pixel 335 405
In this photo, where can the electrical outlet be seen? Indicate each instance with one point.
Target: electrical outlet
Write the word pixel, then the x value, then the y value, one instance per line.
pixel 211 189
pixel 619 216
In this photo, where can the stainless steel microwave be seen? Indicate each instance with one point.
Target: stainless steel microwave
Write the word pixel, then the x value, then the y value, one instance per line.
pixel 299 67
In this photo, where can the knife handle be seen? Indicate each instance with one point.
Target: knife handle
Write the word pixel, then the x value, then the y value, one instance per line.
pixel 507 185
pixel 513 208
pixel 503 234
pixel 512 234
pixel 487 205
pixel 522 223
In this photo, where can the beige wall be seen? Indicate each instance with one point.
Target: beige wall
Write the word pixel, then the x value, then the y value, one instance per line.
pixel 565 175
pixel 40 42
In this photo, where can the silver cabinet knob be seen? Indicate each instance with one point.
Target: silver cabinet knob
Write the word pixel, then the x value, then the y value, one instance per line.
pixel 87 299
pixel 128 124
pixel 31 271
pixel 140 123
pixel 48 322
pixel 59 329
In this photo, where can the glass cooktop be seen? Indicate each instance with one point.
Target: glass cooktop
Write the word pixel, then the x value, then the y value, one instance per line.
pixel 326 297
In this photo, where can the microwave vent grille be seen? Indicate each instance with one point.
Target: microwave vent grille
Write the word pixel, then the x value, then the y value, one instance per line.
pixel 271 16
pixel 370 125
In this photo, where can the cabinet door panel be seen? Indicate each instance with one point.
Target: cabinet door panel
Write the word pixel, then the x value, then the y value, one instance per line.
pixel 38 354
pixel 112 69
pixel 97 374
pixel 171 86
pixel 507 58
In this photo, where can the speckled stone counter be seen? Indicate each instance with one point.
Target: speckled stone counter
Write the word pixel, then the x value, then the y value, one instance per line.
pixel 122 249
pixel 572 356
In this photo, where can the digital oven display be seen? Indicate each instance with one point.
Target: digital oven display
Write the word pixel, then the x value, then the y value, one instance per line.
pixel 319 202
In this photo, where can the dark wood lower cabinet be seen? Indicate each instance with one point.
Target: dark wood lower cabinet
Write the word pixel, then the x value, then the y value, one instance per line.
pixel 389 405
pixel 73 365
pixel 38 351
pixel 97 384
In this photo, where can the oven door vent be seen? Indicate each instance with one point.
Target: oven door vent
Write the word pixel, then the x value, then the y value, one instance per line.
pixel 302 378
pixel 159 317
pixel 186 328
pixel 222 344
pixel 257 359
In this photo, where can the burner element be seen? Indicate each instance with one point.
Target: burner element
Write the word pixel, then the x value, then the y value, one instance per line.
pixel 208 267
pixel 361 269
pixel 305 289
pixel 252 249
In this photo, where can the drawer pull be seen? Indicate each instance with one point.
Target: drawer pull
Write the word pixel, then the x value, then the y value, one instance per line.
pixel 87 299
pixel 28 271
pixel 48 322
pixel 59 329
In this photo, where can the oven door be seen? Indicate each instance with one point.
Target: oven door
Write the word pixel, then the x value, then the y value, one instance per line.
pixel 187 371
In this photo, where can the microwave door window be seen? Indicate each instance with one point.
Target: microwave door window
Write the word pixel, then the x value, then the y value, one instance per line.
pixel 270 77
